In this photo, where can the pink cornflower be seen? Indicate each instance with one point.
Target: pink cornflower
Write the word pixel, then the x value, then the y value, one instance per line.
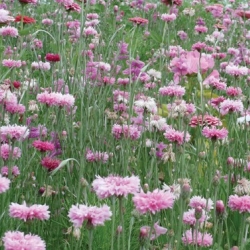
pixel 43 146
pixel 40 65
pixel 47 21
pixel 56 99
pixel 25 213
pixel 206 120
pixel 15 108
pixel 214 133
pixel 153 201
pixel 215 102
pixel 234 91
pixel 172 91
pixel 197 238
pixel 9 63
pixel 127 131
pixel 6 151
pixel 14 170
pixel 96 156
pixel 229 106
pixel 182 34
pixel 13 132
pixel 156 232
pixel 235 70
pixel 168 17
pixel 9 31
pixel 50 57
pixel 50 163
pixel 201 29
pixel 4 184
pixel 73 7
pixel 138 20
pixel 4 17
pixel 180 137
pixel 198 201
pixel 239 203
pixel 95 216
pixel 189 217
pixel 89 31
pixel 18 240
pixel 115 186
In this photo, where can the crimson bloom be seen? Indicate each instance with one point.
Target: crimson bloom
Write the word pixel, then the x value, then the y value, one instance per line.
pixel 25 19
pixel 50 57
pixel 43 146
pixel 50 163
pixel 27 1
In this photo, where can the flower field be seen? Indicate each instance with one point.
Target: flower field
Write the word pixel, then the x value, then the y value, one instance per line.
pixel 124 125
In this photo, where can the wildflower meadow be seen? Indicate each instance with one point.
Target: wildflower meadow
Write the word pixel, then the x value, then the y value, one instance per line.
pixel 124 125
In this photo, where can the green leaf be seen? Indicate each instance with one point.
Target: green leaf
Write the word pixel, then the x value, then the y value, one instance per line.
pixel 62 164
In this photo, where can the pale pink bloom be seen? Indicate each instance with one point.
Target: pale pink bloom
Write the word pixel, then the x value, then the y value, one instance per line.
pixel 13 132
pixel 115 186
pixel 200 29
pixel 229 106
pixel 89 31
pixel 11 63
pixel 18 241
pixel 92 23
pixel 189 217
pixel 198 201
pixel 92 16
pixel 192 237
pixel 96 156
pixel 15 108
pixel 206 120
pixel 56 99
pixel 182 34
pixel 215 102
pixel 180 137
pixel 123 81
pixel 4 16
pixel 4 184
pixel 172 91
pixel 180 108
pixel 216 9
pixel 6 151
pixel 157 122
pixel 214 81
pixel 146 103
pixel 127 131
pixel 168 17
pixel 234 91
pixel 94 216
pixel 8 31
pixel 235 70
pixel 214 133
pixel 40 65
pixel 153 201
pixel 239 203
pixel 23 212
pixel 156 232
pixel 47 21
pixel 233 51
pixel 174 51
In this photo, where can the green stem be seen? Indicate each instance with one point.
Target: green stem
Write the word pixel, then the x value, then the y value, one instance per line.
pixel 90 238
pixel 113 223
pixel 122 221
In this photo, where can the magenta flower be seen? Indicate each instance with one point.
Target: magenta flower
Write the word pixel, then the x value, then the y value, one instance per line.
pixel 18 240
pixel 115 186
pixel 197 238
pixel 177 136
pixel 4 184
pixel 214 133
pixel 239 203
pixel 6 151
pixel 13 132
pixel 153 201
pixel 94 216
pixel 43 146
pixel 23 212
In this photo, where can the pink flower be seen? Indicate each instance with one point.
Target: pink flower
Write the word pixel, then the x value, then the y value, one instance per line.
pixel 40 65
pixel 200 29
pixel 94 216
pixel 43 145
pixel 239 203
pixel 4 184
pixel 168 17
pixel 177 136
pixel 234 91
pixel 115 186
pixel 128 131
pixel 156 232
pixel 172 91
pixel 96 156
pixel 214 133
pixel 153 201
pixel 206 120
pixel 198 201
pixel 6 151
pixel 9 31
pixel 47 21
pixel 50 163
pixel 17 240
pixel 56 99
pixel 197 238
pixel 13 132
pixel 23 212
pixel 229 106
pixel 11 63
pixel 189 217
pixel 89 31
pixel 235 70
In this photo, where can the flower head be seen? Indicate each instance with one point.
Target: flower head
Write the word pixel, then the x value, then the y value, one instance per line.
pixel 4 184
pixel 25 19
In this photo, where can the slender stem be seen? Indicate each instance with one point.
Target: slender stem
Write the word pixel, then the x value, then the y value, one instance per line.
pixel 113 223
pixel 122 221
pixel 90 238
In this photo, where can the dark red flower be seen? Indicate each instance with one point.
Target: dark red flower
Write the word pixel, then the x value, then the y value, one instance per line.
pixel 243 13
pixel 138 20
pixel 50 163
pixel 27 1
pixel 16 84
pixel 52 57
pixel 26 19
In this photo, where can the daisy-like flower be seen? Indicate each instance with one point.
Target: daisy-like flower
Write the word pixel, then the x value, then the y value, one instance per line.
pixel 153 202
pixel 214 133
pixel 197 238
pixel 115 186
pixel 95 216
pixel 24 212
pixel 229 106
pixel 239 203
pixel 18 240
pixel 4 184
pixel 43 146
pixel 198 201
pixel 180 137
pixel 13 132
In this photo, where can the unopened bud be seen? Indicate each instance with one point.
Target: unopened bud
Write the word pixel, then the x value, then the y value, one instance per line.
pixel 198 212
pixel 220 207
